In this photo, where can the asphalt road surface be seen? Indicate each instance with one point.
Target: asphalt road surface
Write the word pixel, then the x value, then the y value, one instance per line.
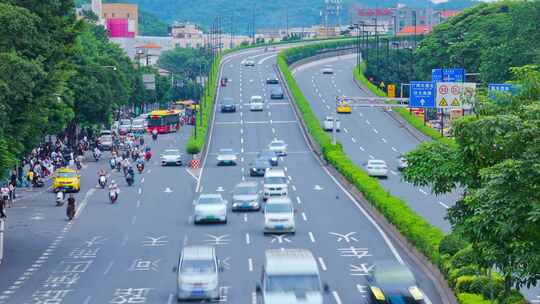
pixel 369 133
pixel 125 253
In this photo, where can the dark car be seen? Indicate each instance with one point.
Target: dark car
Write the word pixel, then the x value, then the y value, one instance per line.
pixel 392 282
pixel 228 105
pixel 272 79
pixel 268 155
pixel 276 93
pixel 258 167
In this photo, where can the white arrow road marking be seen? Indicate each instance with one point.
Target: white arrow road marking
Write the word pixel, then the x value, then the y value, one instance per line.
pixel 318 188
pixel 168 190
pixel 220 189
pixel 280 238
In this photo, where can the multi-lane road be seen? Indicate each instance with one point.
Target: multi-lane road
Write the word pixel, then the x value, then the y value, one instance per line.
pixel 125 253
pixel 369 133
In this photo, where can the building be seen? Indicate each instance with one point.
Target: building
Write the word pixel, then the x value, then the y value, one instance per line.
pixel 121 18
pixel 395 19
pixel 186 35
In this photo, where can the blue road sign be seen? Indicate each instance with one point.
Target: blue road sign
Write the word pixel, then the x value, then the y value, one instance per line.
pixel 422 94
pixel 448 75
pixel 494 88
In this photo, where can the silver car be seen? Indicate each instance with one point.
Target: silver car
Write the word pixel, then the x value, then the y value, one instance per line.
pixel 377 168
pixel 279 216
pixel 226 157
pixel 210 208
pixel 198 277
pixel 278 146
pixel 171 157
pixel 245 196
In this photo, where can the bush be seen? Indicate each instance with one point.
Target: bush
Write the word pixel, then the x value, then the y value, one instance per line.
pixel 452 243
pixel 464 257
pixel 467 298
pixel 454 273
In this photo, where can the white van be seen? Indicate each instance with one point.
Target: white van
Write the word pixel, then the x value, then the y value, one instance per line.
pixel 256 103
pixel 291 276
pixel 275 183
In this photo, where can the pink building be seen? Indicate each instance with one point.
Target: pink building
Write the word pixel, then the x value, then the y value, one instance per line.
pixel 119 28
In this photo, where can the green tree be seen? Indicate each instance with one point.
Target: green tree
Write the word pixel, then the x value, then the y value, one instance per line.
pixel 494 161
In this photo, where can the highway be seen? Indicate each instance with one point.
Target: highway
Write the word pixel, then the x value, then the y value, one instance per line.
pixel 125 253
pixel 369 133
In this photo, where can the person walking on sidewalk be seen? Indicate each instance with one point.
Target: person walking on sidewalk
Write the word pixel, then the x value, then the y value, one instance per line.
pixel 4 191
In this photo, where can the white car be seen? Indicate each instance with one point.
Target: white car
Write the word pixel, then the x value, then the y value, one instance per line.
pixel 226 157
pixel 328 124
pixel 210 208
pixel 198 277
pixel 327 69
pixel 279 216
pixel 171 157
pixel 279 147
pixel 377 168
pixel 256 103
pixel 138 125
pixel 275 183
pixel 249 62
pixel 402 163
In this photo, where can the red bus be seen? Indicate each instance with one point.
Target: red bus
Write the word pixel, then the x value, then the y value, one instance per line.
pixel 164 121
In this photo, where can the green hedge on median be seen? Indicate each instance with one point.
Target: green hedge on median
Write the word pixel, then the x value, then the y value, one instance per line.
pixel 419 232
pixel 195 144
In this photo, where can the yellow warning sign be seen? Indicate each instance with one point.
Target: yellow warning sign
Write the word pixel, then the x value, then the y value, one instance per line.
pixel 391 90
pixel 456 103
pixel 443 103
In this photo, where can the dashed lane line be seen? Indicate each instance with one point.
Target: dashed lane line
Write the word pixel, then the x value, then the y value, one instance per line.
pixel 304 217
pixel 248 240
pixel 443 204
pixel 336 297
pixel 250 264
pixel 362 148
pixel 323 264
pixel 311 237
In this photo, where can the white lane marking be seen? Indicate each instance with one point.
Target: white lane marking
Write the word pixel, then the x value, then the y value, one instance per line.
pixel 323 265
pixel 108 268
pixel 247 239
pixel 393 172
pixel 311 237
pixel 138 203
pixel 383 139
pixel 336 297
pixel 298 200
pixel 345 129
pixel 362 148
pixel 87 300
pixel 124 241
pixel 191 174
pixel 241 140
pixel 170 300
pixel 142 180
pixel 242 150
pixel 133 220
pixel 361 115
pixel 423 192
pixel 254 298
pixel 273 130
pixel 242 131
pixel 149 171
pixel 294 188
pixel 394 149
pixel 371 156
pixel 250 264
pixel 241 159
pixel 285 169
pixel 443 204
pixel 367 121
pixel 140 190
pixel 353 140
pixel 245 217
pixel 304 217
pixel 328 107
pixel 375 130
pixel 84 202
pixel 243 178
pixel 290 177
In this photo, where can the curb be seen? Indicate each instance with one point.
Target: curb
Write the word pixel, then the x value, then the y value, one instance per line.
pixel 433 273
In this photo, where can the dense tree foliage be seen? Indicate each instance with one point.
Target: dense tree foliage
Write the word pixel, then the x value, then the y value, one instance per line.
pixel 150 25
pixel 494 159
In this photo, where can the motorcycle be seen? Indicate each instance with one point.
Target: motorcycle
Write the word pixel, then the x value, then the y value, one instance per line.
pixel 140 167
pixel 97 156
pixel 78 164
pixel 130 179
pixel 70 212
pixel 147 155
pixel 59 198
pixel 102 181
pixel 113 195
pixel 112 163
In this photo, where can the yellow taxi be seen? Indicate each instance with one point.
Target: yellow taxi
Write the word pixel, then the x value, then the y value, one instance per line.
pixel 343 106
pixel 66 179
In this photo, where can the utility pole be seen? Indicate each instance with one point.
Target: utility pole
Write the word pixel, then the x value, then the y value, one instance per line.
pixel 253 22
pixel 286 20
